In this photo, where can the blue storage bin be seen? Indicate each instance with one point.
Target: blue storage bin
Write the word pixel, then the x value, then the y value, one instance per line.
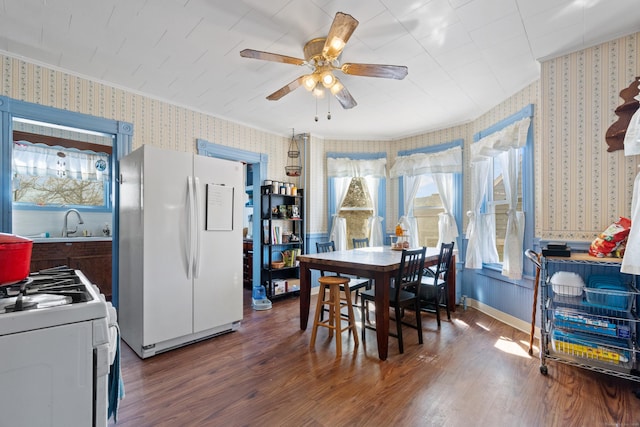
pixel 608 292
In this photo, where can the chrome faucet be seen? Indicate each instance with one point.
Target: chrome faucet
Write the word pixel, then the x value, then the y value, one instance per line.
pixel 65 229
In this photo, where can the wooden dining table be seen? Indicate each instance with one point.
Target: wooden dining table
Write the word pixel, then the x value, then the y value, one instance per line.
pixel 379 263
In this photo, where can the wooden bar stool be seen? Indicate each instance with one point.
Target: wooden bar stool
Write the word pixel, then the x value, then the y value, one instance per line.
pixel 335 303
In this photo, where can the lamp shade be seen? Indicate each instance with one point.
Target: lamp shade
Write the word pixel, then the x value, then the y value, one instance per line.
pixel 328 79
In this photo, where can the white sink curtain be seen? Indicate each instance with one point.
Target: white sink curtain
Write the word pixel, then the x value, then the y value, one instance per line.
pixel 442 166
pixel 503 146
pixel 341 170
pixel 36 159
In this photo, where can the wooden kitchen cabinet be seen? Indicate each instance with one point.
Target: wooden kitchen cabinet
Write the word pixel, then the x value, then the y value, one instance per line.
pixel 92 258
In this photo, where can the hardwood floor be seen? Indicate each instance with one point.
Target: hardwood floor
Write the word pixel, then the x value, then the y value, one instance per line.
pixel 474 371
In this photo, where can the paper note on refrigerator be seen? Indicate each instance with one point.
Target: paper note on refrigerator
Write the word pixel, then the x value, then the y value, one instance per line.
pixel 219 208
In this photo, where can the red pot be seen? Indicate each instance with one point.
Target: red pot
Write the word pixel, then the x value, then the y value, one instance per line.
pixel 15 258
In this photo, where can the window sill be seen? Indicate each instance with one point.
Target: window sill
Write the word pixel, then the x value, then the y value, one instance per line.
pixel 494 271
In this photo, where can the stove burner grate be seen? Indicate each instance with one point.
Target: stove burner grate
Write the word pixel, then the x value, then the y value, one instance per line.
pixel 44 288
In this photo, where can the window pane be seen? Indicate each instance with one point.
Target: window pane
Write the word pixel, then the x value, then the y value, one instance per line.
pixel 356 209
pixel 48 190
pixel 500 205
pixel 428 195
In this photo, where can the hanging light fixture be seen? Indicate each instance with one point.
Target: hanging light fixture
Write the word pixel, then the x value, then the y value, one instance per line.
pixel 293 167
pixel 328 79
pixel 310 81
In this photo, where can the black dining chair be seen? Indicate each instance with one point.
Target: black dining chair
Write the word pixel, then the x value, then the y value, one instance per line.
pixel 434 291
pixel 355 284
pixel 360 243
pixel 401 295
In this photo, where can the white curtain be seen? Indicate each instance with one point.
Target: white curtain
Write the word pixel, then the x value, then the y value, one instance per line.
pixel 343 170
pixel 447 226
pixel 479 176
pixel 344 167
pixel 514 238
pixel 503 146
pixel 339 225
pixel 443 164
pixel 339 233
pixel 632 136
pixel 631 258
pixel 444 161
pixel 44 160
pixel 376 237
pixel 375 221
pixel 408 221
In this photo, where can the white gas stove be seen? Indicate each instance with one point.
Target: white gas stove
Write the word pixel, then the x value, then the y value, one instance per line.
pixel 58 338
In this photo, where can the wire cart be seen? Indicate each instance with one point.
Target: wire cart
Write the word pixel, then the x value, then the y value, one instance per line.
pixel 588 314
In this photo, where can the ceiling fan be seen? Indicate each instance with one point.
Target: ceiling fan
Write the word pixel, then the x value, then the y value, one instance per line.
pixel 321 55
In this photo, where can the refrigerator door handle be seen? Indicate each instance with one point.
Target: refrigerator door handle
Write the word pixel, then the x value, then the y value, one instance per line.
pixel 196 216
pixel 189 226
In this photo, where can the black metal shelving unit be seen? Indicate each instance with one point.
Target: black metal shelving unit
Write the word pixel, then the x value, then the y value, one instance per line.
pixel 278 227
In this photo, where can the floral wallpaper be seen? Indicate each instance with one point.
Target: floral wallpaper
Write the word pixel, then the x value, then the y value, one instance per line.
pixel 580 188
pixel 155 122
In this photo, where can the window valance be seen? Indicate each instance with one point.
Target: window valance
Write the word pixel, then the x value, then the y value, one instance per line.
pixel 446 161
pixel 43 160
pixel 512 136
pixel 345 167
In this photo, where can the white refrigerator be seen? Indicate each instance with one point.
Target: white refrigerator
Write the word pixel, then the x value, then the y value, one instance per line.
pixel 180 248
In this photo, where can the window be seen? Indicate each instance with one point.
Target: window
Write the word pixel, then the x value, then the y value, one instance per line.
pixel 356 197
pixel 431 192
pixel 501 192
pixel 356 208
pixel 49 171
pixel 497 204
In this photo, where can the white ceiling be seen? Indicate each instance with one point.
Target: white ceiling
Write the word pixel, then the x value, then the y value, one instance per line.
pixel 464 56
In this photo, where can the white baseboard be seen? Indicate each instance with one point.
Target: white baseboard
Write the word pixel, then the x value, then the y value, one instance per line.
pixel 505 318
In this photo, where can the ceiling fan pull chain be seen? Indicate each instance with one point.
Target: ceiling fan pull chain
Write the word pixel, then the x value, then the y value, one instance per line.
pixel 329 108
pixel 316 118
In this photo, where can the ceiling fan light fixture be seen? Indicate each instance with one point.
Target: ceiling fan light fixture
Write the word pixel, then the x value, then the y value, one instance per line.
pixel 321 56
pixel 328 79
pixel 334 47
pixel 310 82
pixel 337 87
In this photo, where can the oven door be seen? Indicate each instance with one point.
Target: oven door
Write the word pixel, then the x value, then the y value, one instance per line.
pixel 47 377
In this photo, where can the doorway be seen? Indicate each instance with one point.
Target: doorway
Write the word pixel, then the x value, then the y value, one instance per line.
pixel 257 162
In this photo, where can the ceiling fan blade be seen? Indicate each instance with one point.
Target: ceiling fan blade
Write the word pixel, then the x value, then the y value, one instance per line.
pixel 268 56
pixel 341 29
pixel 397 72
pixel 286 89
pixel 344 98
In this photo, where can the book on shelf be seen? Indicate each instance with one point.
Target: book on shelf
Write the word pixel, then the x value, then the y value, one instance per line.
pixel 276 235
